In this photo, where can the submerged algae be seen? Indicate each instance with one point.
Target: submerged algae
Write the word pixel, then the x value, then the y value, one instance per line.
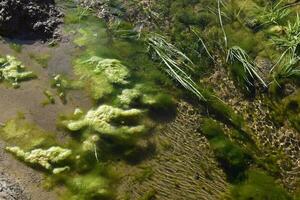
pixel 44 158
pixel 101 121
pixel 100 75
pixel 12 71
pixel 27 136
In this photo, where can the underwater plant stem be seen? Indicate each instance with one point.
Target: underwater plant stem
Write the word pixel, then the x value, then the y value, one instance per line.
pixel 221 23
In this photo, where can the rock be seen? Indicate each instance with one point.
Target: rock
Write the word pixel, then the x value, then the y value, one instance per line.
pixel 10 190
pixel 29 18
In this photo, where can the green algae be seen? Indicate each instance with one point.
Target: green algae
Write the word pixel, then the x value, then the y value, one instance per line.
pixel 62 86
pixel 26 135
pixel 100 75
pixel 287 109
pixel 50 98
pixel 100 120
pixel 41 59
pixel 259 185
pixel 232 157
pixel 13 72
pixel 44 158
pixel 89 187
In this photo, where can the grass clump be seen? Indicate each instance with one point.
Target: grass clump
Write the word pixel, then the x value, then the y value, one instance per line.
pixel 240 59
pixel 174 59
pixel 274 13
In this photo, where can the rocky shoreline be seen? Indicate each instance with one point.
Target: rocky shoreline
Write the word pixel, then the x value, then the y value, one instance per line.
pixel 23 19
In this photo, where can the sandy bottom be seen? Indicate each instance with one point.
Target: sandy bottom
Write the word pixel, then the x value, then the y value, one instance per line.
pixel 18 181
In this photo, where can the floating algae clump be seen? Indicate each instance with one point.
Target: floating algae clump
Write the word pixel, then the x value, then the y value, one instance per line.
pixel 128 96
pixel 113 69
pixel 44 158
pixel 99 75
pixel 12 71
pixel 101 119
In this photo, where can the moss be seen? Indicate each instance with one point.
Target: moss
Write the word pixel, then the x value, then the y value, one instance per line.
pixel 232 157
pixel 287 109
pixel 259 186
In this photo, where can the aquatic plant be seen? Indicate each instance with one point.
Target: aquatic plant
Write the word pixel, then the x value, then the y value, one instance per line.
pixel 63 85
pixel 112 69
pixel 27 136
pixel 237 55
pixel 89 187
pixel 12 71
pixel 100 120
pixel 260 186
pixel 41 59
pixel 49 96
pixel 44 158
pixel 289 68
pixel 100 75
pixel 232 157
pixel 129 96
pixel 174 59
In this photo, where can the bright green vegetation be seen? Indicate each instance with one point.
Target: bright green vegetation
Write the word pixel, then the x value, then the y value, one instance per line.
pixel 45 158
pixel 122 69
pixel 13 72
pixel 100 120
pixel 101 74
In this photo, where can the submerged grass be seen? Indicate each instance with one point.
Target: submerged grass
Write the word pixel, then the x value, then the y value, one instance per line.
pixel 174 59
pixel 237 54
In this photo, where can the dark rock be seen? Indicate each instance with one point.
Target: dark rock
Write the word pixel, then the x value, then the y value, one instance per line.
pixel 29 18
